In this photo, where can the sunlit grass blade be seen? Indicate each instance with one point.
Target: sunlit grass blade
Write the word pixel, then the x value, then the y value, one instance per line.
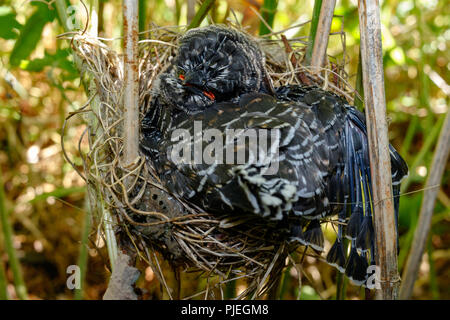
pixel 230 290
pixel 178 4
pixel 268 10
pixel 14 263
pixel 406 240
pixel 201 13
pixel 285 280
pixel 409 136
pixel 313 30
pixel 83 255
pixel 58 193
pixel 3 282
pixel 142 17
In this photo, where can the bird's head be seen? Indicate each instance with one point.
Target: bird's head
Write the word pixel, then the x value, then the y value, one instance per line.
pixel 213 64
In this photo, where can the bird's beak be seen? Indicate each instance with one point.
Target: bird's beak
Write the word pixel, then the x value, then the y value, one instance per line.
pixel 194 79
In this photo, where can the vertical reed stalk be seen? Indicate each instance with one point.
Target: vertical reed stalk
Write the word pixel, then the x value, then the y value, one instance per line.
pixel 130 82
pixel 380 162
pixel 319 50
pixel 83 255
pixel 21 289
pixel 3 282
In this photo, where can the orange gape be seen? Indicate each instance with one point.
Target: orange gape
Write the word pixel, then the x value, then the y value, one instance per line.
pixel 206 93
pixel 209 95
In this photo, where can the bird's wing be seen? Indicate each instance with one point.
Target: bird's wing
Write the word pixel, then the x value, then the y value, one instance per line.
pixel 349 186
pixel 287 170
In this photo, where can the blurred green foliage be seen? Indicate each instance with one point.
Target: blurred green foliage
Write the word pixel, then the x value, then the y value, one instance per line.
pixel 40 85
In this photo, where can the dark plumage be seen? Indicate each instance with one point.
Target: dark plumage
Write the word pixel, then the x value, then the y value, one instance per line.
pixel 218 80
pixel 213 64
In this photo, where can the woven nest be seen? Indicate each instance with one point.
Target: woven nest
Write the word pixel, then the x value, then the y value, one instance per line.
pixel 149 218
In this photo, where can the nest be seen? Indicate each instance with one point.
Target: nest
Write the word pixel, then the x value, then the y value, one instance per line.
pixel 146 216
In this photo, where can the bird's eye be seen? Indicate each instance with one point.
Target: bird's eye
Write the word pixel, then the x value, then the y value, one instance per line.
pixel 181 76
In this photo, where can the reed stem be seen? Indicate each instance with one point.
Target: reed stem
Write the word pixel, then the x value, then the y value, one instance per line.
pixel 21 289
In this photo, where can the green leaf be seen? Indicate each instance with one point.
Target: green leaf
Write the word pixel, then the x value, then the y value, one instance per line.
pixel 58 193
pixel 58 60
pixel 30 34
pixel 35 65
pixel 8 24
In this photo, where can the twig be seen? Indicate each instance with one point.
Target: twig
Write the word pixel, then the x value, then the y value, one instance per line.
pixel 426 211
pixel 380 162
pixel 301 75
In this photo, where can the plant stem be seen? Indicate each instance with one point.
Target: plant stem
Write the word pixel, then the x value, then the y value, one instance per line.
pixel 406 241
pixel 201 14
pixel 427 145
pixel 177 11
pixel 3 279
pixel 21 289
pixel 130 83
pixel 380 162
pixel 3 282
pixel 83 256
pixel 320 45
pixel 142 17
pixel 313 30
pixel 409 136
pixel 268 10
pixel 230 290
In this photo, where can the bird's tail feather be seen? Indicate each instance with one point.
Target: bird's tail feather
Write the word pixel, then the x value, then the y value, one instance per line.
pixel 357 211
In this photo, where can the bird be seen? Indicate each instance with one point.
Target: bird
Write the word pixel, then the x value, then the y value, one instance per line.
pixel 308 160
